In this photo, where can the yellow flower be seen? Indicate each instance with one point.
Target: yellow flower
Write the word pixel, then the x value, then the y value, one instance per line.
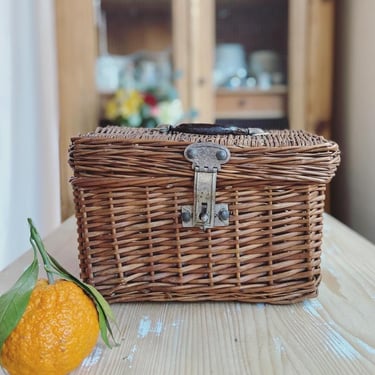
pixel 131 105
pixel 120 95
pixel 111 109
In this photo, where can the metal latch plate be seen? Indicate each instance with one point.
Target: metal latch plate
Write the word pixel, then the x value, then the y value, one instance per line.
pixel 206 159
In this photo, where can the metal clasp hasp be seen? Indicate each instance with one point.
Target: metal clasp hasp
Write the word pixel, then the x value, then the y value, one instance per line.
pixel 206 159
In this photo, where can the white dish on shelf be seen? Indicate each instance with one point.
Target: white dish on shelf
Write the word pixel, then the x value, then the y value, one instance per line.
pixel 108 70
pixel 230 61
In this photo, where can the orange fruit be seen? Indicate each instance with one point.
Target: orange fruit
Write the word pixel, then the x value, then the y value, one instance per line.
pixel 57 331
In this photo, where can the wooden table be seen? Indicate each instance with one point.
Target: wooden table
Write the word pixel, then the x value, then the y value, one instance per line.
pixel 333 334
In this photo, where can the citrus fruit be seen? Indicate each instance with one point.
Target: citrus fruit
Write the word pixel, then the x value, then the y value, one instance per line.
pixel 58 329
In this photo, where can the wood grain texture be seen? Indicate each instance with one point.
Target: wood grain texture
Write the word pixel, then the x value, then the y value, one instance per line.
pixel 320 67
pixel 310 73
pixel 332 334
pixel 298 37
pixel 180 43
pixel 78 101
pixel 202 58
pixel 193 41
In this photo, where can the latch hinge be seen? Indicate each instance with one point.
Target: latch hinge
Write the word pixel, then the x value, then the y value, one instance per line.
pixel 207 159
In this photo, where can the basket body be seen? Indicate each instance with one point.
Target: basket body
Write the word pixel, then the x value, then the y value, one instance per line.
pixel 129 189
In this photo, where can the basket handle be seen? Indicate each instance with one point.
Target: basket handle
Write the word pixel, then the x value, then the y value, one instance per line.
pixel 215 129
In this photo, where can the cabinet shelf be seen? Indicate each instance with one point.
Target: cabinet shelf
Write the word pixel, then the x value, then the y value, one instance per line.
pixel 251 103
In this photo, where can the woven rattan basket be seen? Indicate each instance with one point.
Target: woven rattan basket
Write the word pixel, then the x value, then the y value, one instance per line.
pixel 175 215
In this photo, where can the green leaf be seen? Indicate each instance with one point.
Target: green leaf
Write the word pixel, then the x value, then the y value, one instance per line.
pixel 102 302
pixel 103 327
pixel 51 265
pixel 13 303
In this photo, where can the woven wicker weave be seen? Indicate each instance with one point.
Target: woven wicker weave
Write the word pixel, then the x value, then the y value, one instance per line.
pixel 129 186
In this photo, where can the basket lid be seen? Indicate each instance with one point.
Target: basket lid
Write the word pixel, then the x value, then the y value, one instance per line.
pixel 224 134
pixel 282 155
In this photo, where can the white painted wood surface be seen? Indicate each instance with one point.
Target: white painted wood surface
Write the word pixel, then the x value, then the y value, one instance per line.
pixel 333 334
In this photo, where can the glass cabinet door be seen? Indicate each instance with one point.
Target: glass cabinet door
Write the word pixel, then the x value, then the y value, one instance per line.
pixel 251 59
pixel 235 55
pixel 135 76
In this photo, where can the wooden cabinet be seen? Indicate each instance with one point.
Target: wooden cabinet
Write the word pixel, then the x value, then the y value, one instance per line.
pixel 301 30
pixel 251 103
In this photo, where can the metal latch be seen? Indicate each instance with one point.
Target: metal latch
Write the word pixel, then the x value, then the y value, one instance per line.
pixel 206 159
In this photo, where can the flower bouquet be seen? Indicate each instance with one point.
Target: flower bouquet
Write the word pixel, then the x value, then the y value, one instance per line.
pixel 148 108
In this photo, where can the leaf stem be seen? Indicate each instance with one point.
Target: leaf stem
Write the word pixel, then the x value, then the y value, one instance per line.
pixel 37 243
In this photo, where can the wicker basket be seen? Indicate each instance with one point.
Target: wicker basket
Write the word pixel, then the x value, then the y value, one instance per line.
pixel 175 215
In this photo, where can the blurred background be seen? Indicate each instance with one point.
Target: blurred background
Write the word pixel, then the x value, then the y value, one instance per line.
pixel 69 66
